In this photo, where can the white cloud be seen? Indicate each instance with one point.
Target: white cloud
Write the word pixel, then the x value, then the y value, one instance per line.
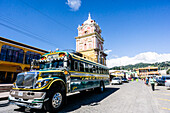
pixel 108 51
pixel 147 57
pixel 74 4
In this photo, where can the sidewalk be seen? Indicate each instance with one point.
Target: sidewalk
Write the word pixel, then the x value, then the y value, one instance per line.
pixel 6 85
pixel 4 91
pixel 4 95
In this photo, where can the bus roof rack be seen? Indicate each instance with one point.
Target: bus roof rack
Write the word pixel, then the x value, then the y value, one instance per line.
pixel 78 54
pixel 69 50
pixel 73 52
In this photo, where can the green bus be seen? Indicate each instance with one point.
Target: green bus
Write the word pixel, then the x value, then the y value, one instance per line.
pixel 59 73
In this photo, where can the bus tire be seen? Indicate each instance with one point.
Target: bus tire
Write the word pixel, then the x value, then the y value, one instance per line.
pixel 102 87
pixel 56 100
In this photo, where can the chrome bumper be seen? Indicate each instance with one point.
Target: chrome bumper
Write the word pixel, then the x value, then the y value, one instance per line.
pixel 28 105
pixel 32 102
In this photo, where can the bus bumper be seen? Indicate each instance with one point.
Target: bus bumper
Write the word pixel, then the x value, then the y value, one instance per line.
pixel 30 101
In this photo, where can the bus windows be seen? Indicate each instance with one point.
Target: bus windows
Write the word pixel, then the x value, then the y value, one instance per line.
pixel 97 69
pixel 104 71
pixel 86 68
pixel 76 66
pixel 72 64
pixel 90 69
pixel 69 64
pixel 81 66
pixel 94 69
pixel 100 70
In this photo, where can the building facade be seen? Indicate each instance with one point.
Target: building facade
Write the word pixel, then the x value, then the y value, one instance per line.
pixel 148 71
pixel 119 73
pixel 89 41
pixel 16 57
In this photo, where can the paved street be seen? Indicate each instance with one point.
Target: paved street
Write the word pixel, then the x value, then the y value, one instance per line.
pixel 133 97
pixel 162 95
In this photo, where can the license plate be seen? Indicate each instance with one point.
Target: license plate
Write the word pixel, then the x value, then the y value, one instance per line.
pixel 20 93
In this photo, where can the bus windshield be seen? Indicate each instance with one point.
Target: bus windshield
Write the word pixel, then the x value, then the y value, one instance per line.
pixel 57 64
pixel 54 64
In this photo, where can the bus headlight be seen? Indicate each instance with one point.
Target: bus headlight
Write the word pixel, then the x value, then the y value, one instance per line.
pixel 42 83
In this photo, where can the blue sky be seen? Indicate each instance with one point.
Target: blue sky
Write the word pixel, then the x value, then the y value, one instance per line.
pixel 129 27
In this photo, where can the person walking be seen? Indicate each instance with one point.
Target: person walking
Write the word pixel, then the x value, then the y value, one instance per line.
pixel 137 79
pixel 152 82
pixel 147 80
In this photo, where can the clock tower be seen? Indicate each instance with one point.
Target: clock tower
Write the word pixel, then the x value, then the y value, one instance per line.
pixel 89 41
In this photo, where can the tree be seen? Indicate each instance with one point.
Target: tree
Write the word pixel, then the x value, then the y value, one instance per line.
pixel 168 71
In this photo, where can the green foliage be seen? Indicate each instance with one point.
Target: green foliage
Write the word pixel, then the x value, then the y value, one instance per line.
pixel 160 65
pixel 168 71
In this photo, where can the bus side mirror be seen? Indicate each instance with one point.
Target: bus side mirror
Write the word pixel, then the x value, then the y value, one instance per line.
pixel 65 63
pixel 33 63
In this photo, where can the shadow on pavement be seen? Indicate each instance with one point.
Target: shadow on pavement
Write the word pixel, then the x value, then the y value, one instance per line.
pixel 4 104
pixel 157 89
pixel 89 98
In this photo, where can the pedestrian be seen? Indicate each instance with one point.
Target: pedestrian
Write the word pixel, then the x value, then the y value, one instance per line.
pixel 137 79
pixel 147 81
pixel 152 82
pixel 132 79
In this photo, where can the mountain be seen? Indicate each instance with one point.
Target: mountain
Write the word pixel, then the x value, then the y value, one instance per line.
pixel 160 65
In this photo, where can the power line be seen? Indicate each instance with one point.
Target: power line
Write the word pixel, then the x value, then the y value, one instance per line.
pixel 11 21
pixel 21 27
pixel 27 34
pixel 52 19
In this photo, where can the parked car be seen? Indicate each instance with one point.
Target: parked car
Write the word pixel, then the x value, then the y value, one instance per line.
pixel 167 81
pixel 160 81
pixel 125 80
pixel 116 80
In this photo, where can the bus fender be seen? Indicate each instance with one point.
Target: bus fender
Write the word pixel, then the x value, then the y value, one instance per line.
pixel 57 82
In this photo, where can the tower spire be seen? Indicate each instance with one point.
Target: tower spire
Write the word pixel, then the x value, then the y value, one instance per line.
pixel 89 16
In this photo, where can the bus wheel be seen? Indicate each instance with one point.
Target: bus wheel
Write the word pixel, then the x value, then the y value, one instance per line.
pixel 56 100
pixel 102 87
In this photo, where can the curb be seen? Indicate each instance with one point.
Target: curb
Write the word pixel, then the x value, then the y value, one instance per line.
pixel 4 95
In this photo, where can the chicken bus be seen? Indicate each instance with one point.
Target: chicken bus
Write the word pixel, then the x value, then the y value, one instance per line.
pixel 59 73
